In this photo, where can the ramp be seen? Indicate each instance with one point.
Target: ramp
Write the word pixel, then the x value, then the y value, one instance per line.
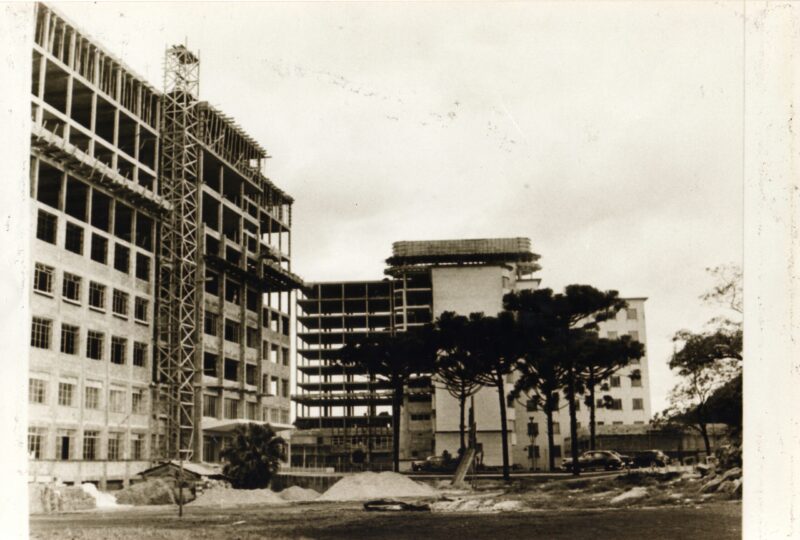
pixel 463 467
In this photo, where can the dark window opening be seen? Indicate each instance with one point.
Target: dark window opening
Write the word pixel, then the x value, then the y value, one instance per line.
pixel 231 370
pixel 104 153
pixel 50 183
pixel 147 148
pixel 210 323
pixel 250 374
pixel 210 212
pixel 232 291
pixel 122 258
pixel 125 167
pixel 55 87
pixel 233 331
pixel 101 210
pixel 212 283
pixel 253 300
pixel 210 364
pixel 46 227
pixel 144 232
pixel 99 249
pixel 77 199
pixel 81 104
pixel 212 246
pixel 123 221
pixel 126 134
pixel 74 239
pixel 143 267
pixel 104 120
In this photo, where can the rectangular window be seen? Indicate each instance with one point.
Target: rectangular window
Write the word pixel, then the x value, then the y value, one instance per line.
pixel 139 354
pixel 615 381
pixel 533 429
pixel 557 451
pixel 43 277
pixel 616 404
pixel 210 323
pixel 143 267
pixel 231 370
pixel 231 408
pixel 37 391
pixel 91 442
pixel 91 397
pixel 119 347
pixel 66 394
pixel 116 400
pixel 41 329
pixel 122 258
pixel 250 374
pixel 531 405
pixel 232 331
pixel 71 287
pixel 634 335
pixel 99 251
pixel 638 404
pixel 251 410
pixel 97 296
pixel 114 446
pixel 140 308
pixel 556 428
pixel 137 446
pixel 64 444
pixel 210 405
pixel 46 227
pixel 137 401
pixel 94 345
pixel 636 379
pixel 632 315
pixel 210 364
pixel 252 337
pixel 285 356
pixel 35 438
pixel 69 339
pixel 119 303
pixel 285 388
pixel 74 239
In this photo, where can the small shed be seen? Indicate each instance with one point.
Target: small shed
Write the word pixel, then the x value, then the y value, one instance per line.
pixel 192 472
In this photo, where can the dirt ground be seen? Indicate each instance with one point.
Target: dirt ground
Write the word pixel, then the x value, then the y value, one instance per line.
pixel 713 520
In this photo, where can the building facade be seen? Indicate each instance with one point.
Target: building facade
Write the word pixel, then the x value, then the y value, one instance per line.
pixel 101 215
pixel 428 278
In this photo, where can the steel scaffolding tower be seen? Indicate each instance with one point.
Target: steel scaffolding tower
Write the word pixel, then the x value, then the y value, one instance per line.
pixel 178 306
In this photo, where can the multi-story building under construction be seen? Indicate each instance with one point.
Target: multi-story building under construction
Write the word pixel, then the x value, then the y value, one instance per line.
pixel 427 278
pixel 162 283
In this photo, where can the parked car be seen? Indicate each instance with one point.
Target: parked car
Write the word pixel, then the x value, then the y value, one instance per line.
pixel 444 464
pixel 596 459
pixel 650 458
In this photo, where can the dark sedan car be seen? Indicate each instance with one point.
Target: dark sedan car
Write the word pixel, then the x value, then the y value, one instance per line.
pixel 650 458
pixel 596 459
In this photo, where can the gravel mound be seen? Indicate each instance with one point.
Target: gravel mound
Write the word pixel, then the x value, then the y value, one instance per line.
pixel 221 497
pixel 153 491
pixel 296 493
pixel 371 485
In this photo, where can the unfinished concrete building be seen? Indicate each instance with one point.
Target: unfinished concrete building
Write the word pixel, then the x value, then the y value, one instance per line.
pixel 427 279
pixel 162 280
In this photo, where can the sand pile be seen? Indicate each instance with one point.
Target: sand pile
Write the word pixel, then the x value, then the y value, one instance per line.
pixel 102 500
pixel 48 498
pixel 220 497
pixel 154 491
pixel 296 493
pixel 370 485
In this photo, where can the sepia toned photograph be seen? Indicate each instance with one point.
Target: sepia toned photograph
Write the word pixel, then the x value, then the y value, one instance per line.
pixel 384 269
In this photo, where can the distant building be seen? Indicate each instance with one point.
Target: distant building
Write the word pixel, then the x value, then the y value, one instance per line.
pixel 339 409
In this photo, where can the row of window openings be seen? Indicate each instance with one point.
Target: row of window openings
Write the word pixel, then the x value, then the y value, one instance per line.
pixel 378 441
pixel 46 230
pixel 272 386
pixel 251 410
pixel 67 394
pixel 71 285
pixel 253 300
pixel 107 214
pixel 232 332
pixel 65 448
pixel 41 338
pixel 614 404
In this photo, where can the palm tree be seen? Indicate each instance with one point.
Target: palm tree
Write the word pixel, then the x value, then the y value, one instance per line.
pixel 393 358
pixel 454 365
pixel 252 456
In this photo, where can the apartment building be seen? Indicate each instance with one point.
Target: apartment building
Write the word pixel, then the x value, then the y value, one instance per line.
pixel 104 210
pixel 628 390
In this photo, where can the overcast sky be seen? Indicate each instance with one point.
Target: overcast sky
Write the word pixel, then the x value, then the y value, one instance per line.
pixel 608 133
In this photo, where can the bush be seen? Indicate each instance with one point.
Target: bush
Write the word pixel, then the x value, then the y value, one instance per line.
pixel 252 457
